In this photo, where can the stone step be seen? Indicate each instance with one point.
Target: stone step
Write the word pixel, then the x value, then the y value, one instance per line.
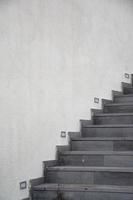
pixel 117 130
pixel 123 98
pixel 128 90
pixel 90 175
pixel 82 192
pixel 97 158
pixel 102 144
pixel 113 118
pixel 118 108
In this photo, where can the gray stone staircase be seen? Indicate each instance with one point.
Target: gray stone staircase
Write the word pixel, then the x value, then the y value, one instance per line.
pixel 98 162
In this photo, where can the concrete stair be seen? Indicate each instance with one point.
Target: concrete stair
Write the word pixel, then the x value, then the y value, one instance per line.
pixel 82 192
pixel 118 107
pixel 97 158
pixel 113 118
pixel 124 98
pixel 102 144
pixel 112 130
pixel 98 163
pixel 90 175
pixel 128 90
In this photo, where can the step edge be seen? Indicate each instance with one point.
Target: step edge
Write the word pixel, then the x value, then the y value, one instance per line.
pixel 91 169
pixel 102 139
pixel 123 95
pixel 85 188
pixel 121 153
pixel 109 126
pixel 113 114
pixel 118 104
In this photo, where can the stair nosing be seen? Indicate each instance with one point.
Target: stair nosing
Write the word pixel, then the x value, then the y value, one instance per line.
pixel 108 126
pixel 112 114
pixel 121 153
pixel 91 169
pixel 83 187
pixel 123 95
pixel 118 104
pixel 102 138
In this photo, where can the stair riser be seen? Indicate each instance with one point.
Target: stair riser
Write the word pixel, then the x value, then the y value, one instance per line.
pixel 97 160
pixel 102 145
pixel 118 109
pixel 107 132
pixel 123 119
pixel 88 177
pixel 70 195
pixel 44 195
pixel 128 90
pixel 123 99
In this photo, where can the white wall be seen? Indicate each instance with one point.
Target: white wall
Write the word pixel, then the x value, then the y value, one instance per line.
pixel 55 56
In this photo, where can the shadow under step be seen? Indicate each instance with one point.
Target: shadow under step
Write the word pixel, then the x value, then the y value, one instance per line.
pixel 82 192
pixel 102 144
pixel 113 118
pixel 90 175
pixel 123 98
pixel 97 158
pixel 119 130
pixel 118 108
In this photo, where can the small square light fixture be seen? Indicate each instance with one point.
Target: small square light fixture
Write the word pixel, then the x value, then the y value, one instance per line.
pixel 96 100
pixel 63 134
pixel 23 185
pixel 127 75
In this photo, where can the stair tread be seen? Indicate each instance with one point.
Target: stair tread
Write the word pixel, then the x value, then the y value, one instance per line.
pixel 83 187
pixel 124 95
pixel 102 138
pixel 92 168
pixel 97 153
pixel 119 104
pixel 113 114
pixel 108 126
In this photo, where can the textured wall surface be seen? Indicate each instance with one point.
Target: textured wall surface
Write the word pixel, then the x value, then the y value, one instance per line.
pixel 55 56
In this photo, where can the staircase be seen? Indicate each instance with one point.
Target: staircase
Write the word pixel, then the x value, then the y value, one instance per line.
pixel 98 163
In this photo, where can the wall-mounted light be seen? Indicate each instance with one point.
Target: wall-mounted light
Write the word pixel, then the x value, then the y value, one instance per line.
pixel 127 75
pixel 63 134
pixel 96 100
pixel 23 185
